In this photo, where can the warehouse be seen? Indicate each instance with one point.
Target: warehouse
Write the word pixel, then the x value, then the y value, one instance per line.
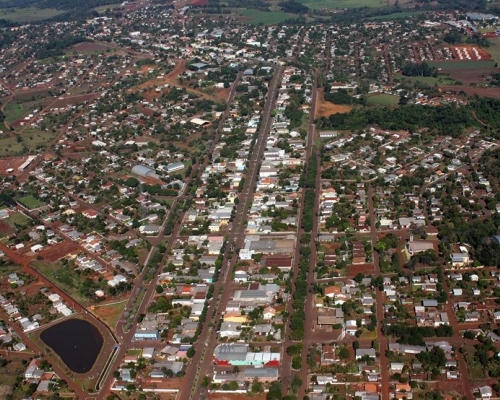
pixel 176 166
pixel 144 171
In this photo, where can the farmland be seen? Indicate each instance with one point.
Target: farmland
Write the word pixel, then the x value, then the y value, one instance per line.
pixel 28 14
pixel 333 4
pixel 266 18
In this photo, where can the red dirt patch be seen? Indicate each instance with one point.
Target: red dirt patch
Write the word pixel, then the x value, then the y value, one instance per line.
pixel 58 251
pixel 11 162
pixel 325 108
pixel 198 2
pixel 353 270
pixel 224 396
pixel 6 229
pixel 469 53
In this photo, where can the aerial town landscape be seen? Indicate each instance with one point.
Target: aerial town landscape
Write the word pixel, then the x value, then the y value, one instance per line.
pixel 269 200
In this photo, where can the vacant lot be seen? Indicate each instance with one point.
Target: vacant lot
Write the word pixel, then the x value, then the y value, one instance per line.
pixel 110 313
pixel 28 14
pixel 59 250
pixel 325 108
pixel 89 48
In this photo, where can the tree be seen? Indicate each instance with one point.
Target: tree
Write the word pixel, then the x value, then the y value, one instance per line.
pixel 296 362
pixel 344 353
pixel 159 289
pixel 190 352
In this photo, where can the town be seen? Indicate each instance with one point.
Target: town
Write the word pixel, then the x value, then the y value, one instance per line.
pixel 195 207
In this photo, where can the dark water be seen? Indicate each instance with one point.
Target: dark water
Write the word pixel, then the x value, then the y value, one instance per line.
pixel 76 341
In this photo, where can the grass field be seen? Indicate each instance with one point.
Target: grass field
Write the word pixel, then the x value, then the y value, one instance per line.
pixel 102 9
pixel 28 14
pixel 333 4
pixel 429 80
pixel 30 202
pixel 383 99
pixel 19 219
pixel 401 15
pixel 494 49
pixel 11 145
pixel 267 18
pixel 462 64
pixel 13 112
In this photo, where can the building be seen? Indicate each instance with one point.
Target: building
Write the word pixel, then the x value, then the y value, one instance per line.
pixel 146 334
pixel 236 354
pixel 176 166
pixel 144 171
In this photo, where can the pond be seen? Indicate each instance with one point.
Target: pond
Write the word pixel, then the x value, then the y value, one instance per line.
pixel 76 341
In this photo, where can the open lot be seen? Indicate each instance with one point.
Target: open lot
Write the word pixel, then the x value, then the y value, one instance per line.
pixel 90 47
pixel 325 108
pixel 59 250
pixel 13 111
pixel 11 162
pixel 110 313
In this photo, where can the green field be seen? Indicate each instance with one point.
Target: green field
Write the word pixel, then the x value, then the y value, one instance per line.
pixel 383 99
pixel 428 80
pixel 333 4
pixel 462 64
pixel 494 49
pixel 102 9
pixel 28 14
pixel 400 15
pixel 28 142
pixel 19 219
pixel 267 18
pixel 30 202
pixel 13 112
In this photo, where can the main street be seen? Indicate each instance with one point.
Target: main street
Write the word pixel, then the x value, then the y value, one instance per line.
pixel 201 363
pixel 286 365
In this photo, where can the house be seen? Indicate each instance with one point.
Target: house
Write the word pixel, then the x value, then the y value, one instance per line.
pixel 149 229
pixel 485 392
pixel 269 313
pixel 459 259
pixel 360 353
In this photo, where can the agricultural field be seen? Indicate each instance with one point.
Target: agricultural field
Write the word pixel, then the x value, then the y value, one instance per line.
pixel 267 18
pixel 13 111
pixel 494 49
pixel 333 4
pixel 457 65
pixel 429 80
pixel 31 202
pixel 30 14
pixel 383 99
